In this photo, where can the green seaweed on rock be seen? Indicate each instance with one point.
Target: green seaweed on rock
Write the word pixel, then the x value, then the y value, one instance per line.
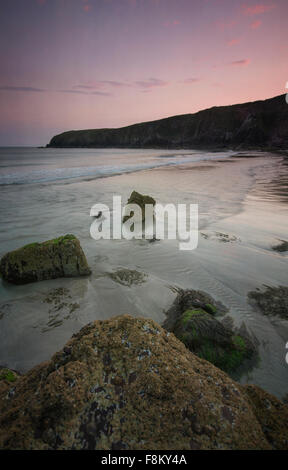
pixel 8 375
pixel 193 319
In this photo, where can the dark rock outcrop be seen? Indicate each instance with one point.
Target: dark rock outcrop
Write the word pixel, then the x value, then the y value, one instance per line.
pixel 281 247
pixel 126 383
pixel 60 257
pixel 249 125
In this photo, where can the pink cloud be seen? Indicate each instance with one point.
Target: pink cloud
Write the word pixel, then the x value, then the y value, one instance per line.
pixel 172 23
pixel 87 7
pixel 41 2
pixel 233 42
pixel 224 25
pixel 256 24
pixel 257 9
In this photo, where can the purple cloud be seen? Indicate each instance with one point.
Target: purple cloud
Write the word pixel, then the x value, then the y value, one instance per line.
pixel 258 9
pixel 189 81
pixel 242 62
pixel 102 84
pixel 22 88
pixel 116 84
pixel 81 92
pixel 233 42
pixel 151 83
pixel 99 84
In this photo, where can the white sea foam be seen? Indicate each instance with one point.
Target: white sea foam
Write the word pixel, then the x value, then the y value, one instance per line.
pixel 19 166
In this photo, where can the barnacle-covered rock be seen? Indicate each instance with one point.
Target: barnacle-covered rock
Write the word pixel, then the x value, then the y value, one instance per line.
pixel 126 383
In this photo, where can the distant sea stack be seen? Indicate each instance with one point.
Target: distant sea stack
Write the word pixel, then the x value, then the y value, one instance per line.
pixel 260 124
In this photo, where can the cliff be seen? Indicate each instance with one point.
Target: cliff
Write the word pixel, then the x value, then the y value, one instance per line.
pixel 126 383
pixel 259 124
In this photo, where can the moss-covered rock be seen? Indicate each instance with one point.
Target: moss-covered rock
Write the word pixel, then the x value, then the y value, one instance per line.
pixel 189 299
pixel 193 318
pixel 141 200
pixel 126 383
pixel 208 338
pixel 60 257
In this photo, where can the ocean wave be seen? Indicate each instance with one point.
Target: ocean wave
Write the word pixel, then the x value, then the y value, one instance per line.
pixel 102 171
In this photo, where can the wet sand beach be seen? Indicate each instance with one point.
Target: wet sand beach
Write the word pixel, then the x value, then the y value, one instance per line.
pixel 242 215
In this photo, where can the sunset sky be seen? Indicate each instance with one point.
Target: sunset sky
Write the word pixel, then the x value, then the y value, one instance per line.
pixel 76 64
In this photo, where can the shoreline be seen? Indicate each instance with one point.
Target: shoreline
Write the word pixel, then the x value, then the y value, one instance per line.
pixel 204 148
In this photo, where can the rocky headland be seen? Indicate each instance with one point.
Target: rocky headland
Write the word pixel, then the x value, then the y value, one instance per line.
pixel 259 124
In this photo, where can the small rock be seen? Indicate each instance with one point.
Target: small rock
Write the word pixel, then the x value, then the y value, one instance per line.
pixel 141 200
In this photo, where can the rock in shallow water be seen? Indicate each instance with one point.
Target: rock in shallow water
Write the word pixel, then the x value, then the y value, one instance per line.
pixel 192 319
pixel 141 201
pixel 208 338
pixel 60 257
pixel 126 383
pixel 281 247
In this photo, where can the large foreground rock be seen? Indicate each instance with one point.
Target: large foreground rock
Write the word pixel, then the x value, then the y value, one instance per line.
pixel 127 383
pixel 60 257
